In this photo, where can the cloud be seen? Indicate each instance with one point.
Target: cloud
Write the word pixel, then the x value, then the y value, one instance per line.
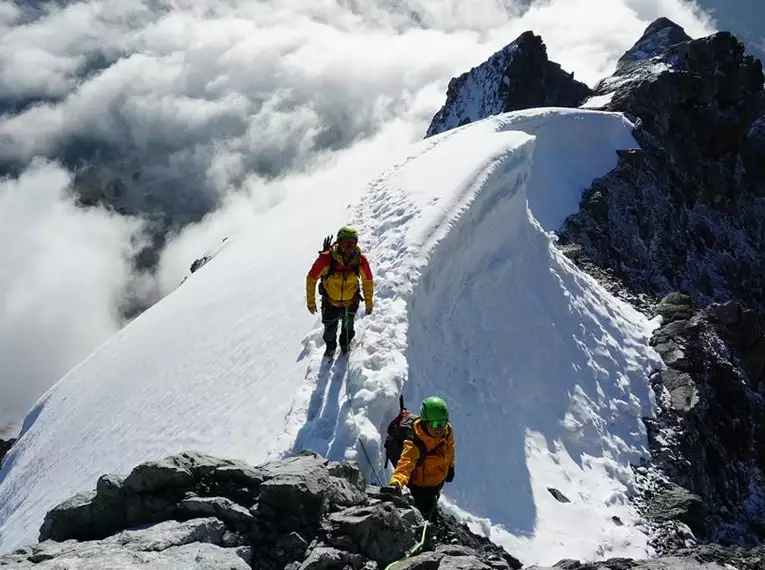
pixel 63 272
pixel 173 110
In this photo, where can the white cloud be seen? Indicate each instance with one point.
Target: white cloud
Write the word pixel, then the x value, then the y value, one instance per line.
pixel 63 271
pixel 230 104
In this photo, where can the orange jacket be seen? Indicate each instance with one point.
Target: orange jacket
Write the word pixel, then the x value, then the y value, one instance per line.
pixel 434 469
pixel 343 285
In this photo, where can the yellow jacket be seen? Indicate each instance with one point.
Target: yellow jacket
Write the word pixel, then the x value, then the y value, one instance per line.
pixel 342 286
pixel 432 472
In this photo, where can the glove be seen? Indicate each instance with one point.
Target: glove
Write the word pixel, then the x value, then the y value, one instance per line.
pixel 391 490
pixel 450 475
pixel 312 309
pixel 369 309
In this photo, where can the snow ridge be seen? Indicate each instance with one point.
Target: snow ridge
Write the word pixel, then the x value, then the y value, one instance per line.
pixel 555 379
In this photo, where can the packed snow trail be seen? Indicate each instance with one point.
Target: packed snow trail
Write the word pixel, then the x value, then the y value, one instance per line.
pixel 545 373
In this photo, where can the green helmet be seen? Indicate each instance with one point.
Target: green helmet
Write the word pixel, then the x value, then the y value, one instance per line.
pixel 433 409
pixel 347 232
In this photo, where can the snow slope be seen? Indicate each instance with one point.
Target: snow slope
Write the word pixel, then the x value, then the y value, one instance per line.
pixel 545 373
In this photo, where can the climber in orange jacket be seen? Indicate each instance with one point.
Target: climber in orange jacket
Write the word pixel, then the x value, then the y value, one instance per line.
pixel 425 476
pixel 340 268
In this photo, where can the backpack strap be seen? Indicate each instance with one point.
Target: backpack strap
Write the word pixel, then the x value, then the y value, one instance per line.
pixel 332 269
pixel 423 449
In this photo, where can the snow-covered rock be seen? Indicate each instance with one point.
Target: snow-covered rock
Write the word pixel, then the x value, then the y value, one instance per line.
pixel 519 76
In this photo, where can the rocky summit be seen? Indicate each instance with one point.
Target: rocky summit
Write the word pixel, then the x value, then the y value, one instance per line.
pixel 519 76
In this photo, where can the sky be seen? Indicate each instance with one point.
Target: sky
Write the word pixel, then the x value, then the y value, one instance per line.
pixel 544 371
pixel 210 114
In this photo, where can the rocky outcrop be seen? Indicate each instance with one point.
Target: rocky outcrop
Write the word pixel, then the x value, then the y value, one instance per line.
pixel 686 210
pixel 519 76
pixel 700 558
pixel 5 447
pixel 709 435
pixel 193 511
pixel 196 511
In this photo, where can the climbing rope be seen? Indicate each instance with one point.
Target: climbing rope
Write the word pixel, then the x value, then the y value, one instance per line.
pixel 346 322
pixel 418 546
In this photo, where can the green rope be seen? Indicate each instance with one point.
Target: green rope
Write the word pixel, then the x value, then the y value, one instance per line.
pixel 346 321
pixel 412 551
pixel 417 547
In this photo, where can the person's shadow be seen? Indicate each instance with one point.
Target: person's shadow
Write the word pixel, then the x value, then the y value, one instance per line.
pixel 319 430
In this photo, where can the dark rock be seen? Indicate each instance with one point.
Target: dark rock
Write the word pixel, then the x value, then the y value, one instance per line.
pixel 462 563
pixel 568 564
pixel 170 545
pixel 5 447
pixel 682 389
pixel 707 437
pixel 560 497
pixel 298 513
pixel 454 550
pixel 658 37
pixel 379 531
pixel 686 212
pixel 172 472
pixel 326 558
pixel 425 561
pixel 675 306
pixel 519 76
pixel 222 508
pixel 676 503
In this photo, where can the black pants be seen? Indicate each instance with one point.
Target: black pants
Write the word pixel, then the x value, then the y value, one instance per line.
pixel 425 499
pixel 331 316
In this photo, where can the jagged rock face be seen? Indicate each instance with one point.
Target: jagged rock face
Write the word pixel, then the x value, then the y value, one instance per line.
pixel 519 76
pixel 196 511
pixel 657 38
pixel 5 446
pixel 686 211
pixel 710 432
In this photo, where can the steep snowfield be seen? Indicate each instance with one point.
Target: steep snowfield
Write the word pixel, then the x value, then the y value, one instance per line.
pixel 545 373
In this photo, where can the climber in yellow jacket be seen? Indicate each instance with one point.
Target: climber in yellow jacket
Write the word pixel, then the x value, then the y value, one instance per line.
pixel 342 271
pixel 425 476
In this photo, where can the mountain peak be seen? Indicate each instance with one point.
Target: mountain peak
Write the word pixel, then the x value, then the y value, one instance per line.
pixel 519 76
pixel 659 36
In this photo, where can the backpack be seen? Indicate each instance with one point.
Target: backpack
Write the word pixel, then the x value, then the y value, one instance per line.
pixel 326 246
pixel 401 429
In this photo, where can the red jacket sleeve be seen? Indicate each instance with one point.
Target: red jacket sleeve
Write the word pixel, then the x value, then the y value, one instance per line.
pixel 319 267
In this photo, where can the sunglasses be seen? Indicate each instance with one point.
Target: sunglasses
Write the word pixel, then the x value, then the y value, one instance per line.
pixel 348 243
pixel 436 424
